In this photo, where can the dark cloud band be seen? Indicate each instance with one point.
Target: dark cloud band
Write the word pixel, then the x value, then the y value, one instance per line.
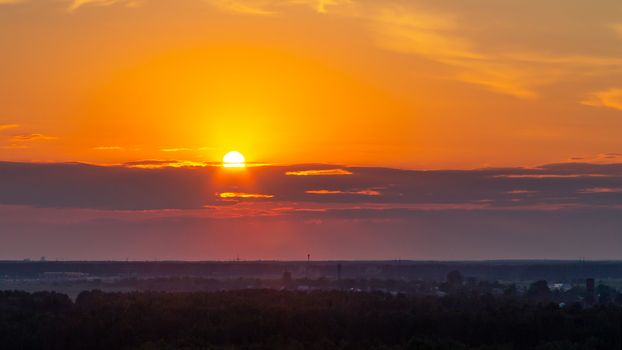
pixel 132 188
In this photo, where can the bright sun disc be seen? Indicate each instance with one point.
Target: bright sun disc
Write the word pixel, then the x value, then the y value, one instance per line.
pixel 234 159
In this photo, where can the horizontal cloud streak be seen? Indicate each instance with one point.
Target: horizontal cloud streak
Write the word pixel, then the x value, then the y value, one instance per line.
pixel 8 126
pixel 32 137
pixel 368 192
pixel 244 195
pixel 171 185
pixel 108 148
pixel 76 4
pixel 321 172
pixel 611 98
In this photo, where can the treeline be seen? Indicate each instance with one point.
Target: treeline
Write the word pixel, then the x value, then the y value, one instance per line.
pixel 269 319
pixel 414 270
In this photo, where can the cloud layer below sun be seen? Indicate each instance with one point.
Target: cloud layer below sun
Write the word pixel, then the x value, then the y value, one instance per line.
pixel 166 186
pixel 114 113
pixel 80 211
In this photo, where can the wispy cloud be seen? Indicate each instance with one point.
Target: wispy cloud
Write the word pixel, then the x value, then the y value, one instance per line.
pixel 455 40
pixel 518 71
pixel 274 7
pixel 603 158
pixel 244 195
pixel 367 192
pixel 548 176
pixel 257 8
pixel 611 98
pixel 159 164
pixel 520 192
pixel 448 35
pixel 22 141
pixel 321 6
pixel 601 190
pixel 32 137
pixel 434 36
pixel 8 126
pixel 421 32
pixel 611 155
pixel 76 4
pixel 320 172
pixel 108 148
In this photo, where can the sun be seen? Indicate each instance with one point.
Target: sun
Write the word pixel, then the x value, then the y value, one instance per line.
pixel 234 159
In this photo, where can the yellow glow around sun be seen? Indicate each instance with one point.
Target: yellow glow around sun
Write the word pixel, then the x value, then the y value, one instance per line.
pixel 234 159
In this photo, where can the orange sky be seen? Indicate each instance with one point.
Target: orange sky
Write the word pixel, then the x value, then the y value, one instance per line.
pixel 414 84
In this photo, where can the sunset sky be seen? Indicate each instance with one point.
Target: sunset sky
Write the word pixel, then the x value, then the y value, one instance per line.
pixel 419 129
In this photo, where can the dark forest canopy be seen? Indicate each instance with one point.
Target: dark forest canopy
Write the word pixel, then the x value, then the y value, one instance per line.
pixel 268 319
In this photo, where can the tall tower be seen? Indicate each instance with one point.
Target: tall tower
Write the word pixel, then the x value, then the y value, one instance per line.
pixel 308 265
